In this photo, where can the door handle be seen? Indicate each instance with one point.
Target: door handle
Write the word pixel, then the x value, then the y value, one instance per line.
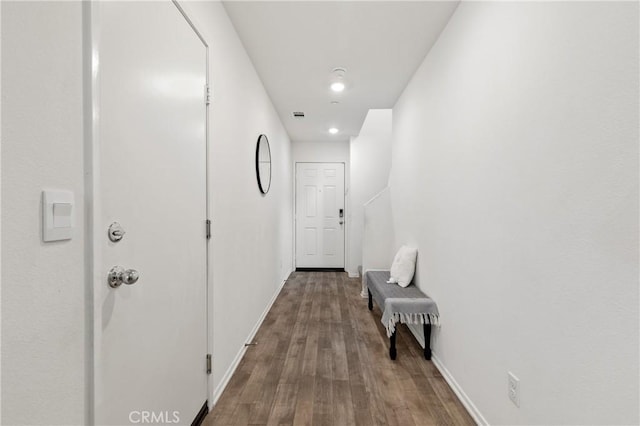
pixel 118 276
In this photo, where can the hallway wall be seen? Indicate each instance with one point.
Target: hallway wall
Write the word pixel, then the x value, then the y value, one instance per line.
pixel 0 214
pixel 370 156
pixel 252 236
pixel 43 284
pixel 321 152
pixel 515 172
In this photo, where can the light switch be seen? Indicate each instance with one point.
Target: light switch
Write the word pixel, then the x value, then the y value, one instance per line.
pixel 61 215
pixel 57 215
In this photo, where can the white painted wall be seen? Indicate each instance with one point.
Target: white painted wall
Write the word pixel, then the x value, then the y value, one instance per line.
pixel 377 236
pixel 320 152
pixel 515 172
pixel 252 242
pixel 370 155
pixel 325 152
pixel 0 214
pixel 43 285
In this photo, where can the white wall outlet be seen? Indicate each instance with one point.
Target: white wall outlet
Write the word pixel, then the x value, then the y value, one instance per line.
pixel 514 389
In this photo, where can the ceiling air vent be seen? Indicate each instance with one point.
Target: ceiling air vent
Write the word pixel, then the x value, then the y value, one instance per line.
pixel 298 114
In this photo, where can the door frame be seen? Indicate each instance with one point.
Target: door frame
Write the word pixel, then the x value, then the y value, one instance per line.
pixel 295 209
pixel 93 234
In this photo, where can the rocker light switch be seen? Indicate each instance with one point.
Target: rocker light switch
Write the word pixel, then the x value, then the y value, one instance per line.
pixel 57 215
pixel 62 215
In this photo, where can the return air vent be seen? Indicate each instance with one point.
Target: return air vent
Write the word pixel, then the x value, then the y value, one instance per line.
pixel 298 114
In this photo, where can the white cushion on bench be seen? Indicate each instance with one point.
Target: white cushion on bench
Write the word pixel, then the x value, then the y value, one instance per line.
pixel 404 266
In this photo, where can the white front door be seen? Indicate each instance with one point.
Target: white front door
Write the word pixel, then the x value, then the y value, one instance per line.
pixel 320 215
pixel 150 336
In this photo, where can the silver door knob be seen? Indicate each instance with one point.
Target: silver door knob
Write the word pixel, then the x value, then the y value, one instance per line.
pixel 118 276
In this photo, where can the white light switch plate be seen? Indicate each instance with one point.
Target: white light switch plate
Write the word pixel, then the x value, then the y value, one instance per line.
pixel 58 213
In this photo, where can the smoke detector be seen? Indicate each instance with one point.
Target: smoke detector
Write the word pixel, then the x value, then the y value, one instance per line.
pixel 338 72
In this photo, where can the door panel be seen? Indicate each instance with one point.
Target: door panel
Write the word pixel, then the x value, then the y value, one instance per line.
pixel 151 339
pixel 329 201
pixel 311 200
pixel 330 241
pixel 310 241
pixel 319 227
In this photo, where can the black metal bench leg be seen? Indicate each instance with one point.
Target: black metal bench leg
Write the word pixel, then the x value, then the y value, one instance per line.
pixel 370 300
pixel 427 340
pixel 392 346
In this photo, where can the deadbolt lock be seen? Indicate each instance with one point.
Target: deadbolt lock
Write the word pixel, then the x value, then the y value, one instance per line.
pixel 116 232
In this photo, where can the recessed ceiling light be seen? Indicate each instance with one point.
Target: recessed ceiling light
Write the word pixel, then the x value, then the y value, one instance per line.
pixel 334 102
pixel 338 86
pixel 333 130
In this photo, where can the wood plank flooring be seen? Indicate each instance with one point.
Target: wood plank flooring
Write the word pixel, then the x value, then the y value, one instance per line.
pixel 322 359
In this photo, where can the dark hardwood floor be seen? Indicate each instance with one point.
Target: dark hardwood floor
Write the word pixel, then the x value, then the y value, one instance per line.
pixel 322 359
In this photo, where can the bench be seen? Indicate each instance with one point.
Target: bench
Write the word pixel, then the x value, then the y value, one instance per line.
pixel 406 305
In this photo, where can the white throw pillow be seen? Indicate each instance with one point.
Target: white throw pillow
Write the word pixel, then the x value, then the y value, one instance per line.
pixel 403 266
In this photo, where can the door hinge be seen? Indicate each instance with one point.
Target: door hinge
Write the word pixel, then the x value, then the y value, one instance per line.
pixel 207 94
pixel 208 229
pixel 208 363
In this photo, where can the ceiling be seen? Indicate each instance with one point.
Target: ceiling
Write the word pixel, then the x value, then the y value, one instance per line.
pixel 295 45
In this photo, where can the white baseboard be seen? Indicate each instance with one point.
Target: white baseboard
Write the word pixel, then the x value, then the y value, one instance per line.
pixel 416 330
pixel 353 274
pixel 236 361
pixel 462 396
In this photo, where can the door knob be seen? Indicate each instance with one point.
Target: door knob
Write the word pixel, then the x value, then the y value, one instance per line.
pixel 118 276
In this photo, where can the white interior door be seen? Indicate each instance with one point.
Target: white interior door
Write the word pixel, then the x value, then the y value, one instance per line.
pixel 151 336
pixel 320 215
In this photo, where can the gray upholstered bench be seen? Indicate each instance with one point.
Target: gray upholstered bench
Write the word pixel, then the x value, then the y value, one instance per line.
pixel 407 305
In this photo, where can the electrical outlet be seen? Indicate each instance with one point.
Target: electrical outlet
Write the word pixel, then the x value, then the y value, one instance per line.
pixel 514 389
